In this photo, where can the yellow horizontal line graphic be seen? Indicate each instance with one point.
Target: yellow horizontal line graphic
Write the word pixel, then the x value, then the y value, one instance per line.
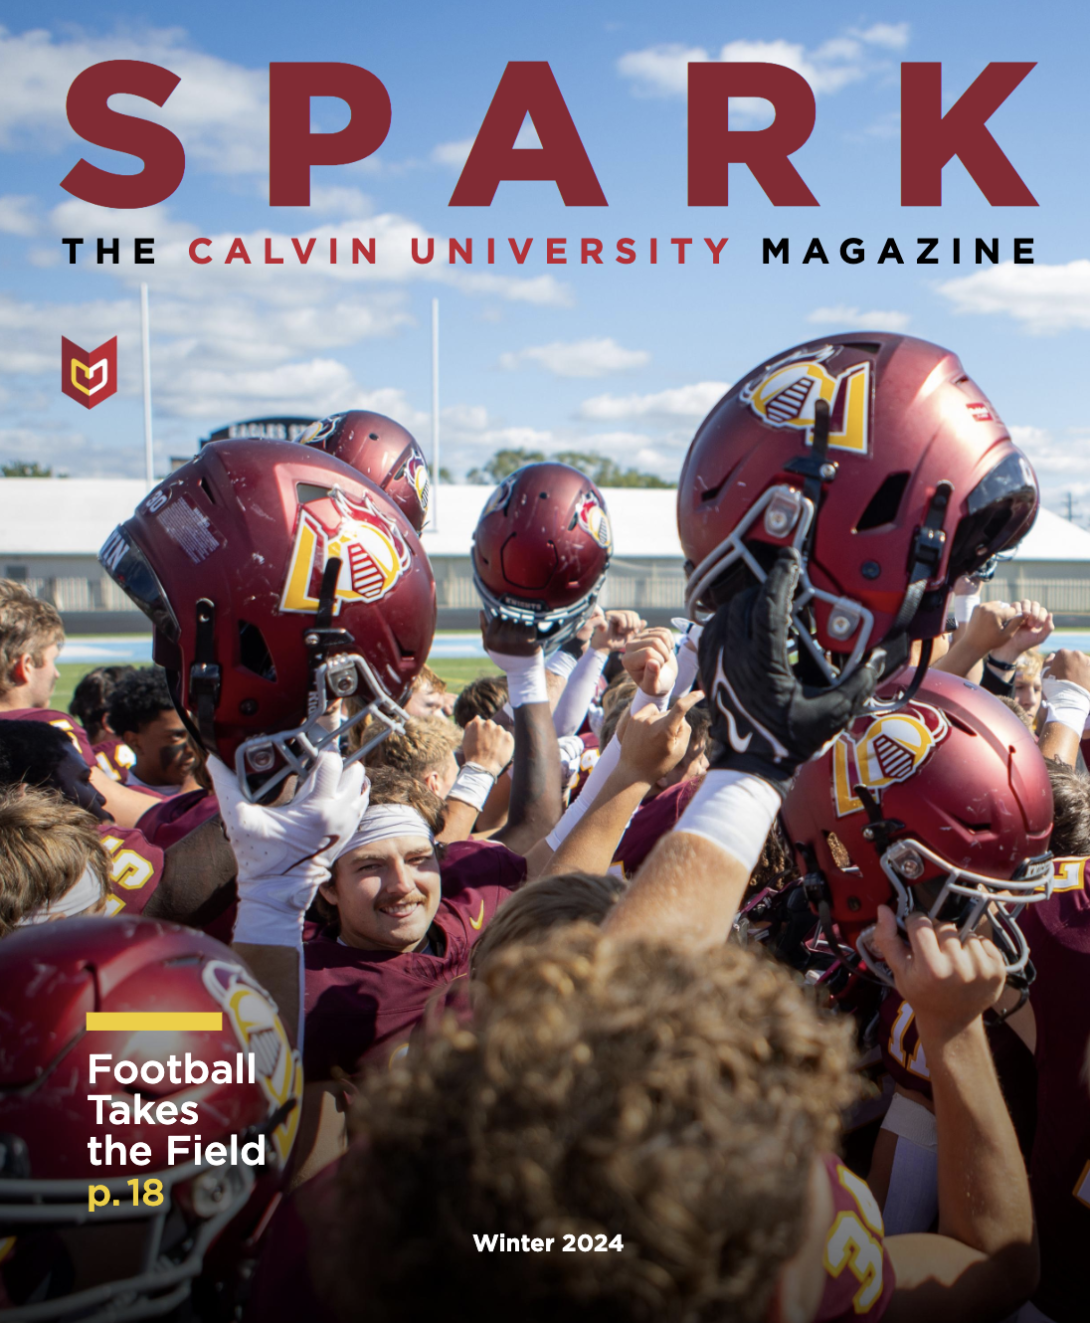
pixel 136 1020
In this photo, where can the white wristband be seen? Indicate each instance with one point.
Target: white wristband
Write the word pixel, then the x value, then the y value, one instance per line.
pixel 912 1121
pixel 472 785
pixel 561 663
pixel 640 700
pixel 964 607
pixel 1068 703
pixel 525 677
pixel 735 811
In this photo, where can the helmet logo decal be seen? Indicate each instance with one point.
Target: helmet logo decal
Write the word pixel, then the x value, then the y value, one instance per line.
pixel 594 520
pixel 499 497
pixel 892 748
pixel 258 1029
pixel 416 470
pixel 320 432
pixel 785 394
pixel 372 553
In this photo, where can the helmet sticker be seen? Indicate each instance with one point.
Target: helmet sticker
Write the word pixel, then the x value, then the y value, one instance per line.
pixel 891 748
pixel 416 470
pixel 372 553
pixel 190 529
pixel 784 395
pixel 258 1028
pixel 499 497
pixel 594 520
pixel 320 432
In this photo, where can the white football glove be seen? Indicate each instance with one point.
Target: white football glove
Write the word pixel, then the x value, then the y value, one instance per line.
pixel 285 852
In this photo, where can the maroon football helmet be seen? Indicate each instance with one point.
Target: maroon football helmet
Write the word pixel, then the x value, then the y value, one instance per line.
pixel 943 805
pixel 541 550
pixel 126 1259
pixel 384 452
pixel 278 581
pixel 880 460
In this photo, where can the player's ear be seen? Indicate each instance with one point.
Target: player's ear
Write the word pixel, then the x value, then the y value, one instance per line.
pixel 20 671
pixel 328 892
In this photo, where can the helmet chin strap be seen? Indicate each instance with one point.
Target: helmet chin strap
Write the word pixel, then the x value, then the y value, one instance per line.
pixel 204 674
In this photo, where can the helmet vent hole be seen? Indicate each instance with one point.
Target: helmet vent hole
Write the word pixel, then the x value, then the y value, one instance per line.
pixel 207 490
pixel 372 436
pixel 883 505
pixel 306 492
pixel 405 653
pixel 865 346
pixel 975 826
pixel 253 651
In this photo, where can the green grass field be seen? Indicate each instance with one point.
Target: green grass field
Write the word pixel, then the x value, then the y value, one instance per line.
pixel 456 671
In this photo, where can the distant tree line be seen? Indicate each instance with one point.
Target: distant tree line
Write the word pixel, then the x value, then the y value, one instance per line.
pixel 602 471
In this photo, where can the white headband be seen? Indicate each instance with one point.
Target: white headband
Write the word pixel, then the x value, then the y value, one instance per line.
pixel 382 821
pixel 86 892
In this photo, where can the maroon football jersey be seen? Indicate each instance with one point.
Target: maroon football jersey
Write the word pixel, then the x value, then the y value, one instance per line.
pixel 282 1290
pixel 136 868
pixel 651 821
pixel 481 863
pixel 62 721
pixel 361 1006
pixel 1058 932
pixel 168 820
pixel 587 763
pixel 859 1278
pixel 905 1060
pixel 115 757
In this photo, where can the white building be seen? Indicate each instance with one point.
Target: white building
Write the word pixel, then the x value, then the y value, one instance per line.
pixel 51 530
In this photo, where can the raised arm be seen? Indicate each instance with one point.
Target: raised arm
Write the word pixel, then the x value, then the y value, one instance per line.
pixel 764 725
pixel 535 772
pixel 198 877
pixel 652 744
pixel 983 1263
pixel 1065 688
pixel 284 852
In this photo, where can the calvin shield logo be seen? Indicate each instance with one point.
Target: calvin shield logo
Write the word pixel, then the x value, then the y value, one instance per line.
pixel 888 749
pixel 784 394
pixel 372 553
pixel 88 378
pixel 593 519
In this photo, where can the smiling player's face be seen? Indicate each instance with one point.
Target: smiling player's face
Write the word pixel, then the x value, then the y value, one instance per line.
pixel 386 893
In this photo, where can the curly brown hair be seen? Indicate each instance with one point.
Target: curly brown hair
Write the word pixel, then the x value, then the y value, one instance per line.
pixel 482 697
pixel 676 1100
pixel 423 746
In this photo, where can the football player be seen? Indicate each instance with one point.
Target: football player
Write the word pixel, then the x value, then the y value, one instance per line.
pixel 31 637
pixel 90 701
pixel 190 882
pixel 143 715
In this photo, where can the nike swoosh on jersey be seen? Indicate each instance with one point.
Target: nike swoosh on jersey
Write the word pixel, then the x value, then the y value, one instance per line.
pixel 478 922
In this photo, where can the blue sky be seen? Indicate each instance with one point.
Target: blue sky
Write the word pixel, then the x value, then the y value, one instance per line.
pixel 623 359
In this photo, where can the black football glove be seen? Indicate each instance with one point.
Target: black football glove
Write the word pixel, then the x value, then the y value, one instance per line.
pixel 763 720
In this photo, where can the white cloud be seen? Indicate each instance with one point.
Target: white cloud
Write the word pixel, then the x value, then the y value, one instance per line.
pixel 662 71
pixel 841 315
pixel 219 110
pixel 15 215
pixel 679 402
pixel 339 201
pixel 1062 463
pixel 580 358
pixel 893 36
pixel 453 154
pixel 1045 299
